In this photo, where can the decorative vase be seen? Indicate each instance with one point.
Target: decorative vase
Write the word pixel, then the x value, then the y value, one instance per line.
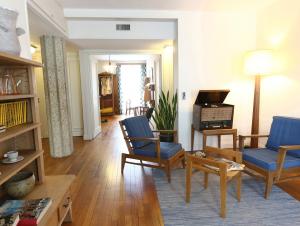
pixel 9 41
pixel 20 185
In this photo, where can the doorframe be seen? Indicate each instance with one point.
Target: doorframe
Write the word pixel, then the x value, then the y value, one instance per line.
pixel 90 91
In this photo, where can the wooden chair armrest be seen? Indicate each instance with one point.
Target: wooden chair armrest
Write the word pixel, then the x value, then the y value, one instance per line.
pixel 290 147
pixel 155 139
pixel 281 157
pixel 164 131
pixel 243 137
pixel 174 132
pixel 224 153
pixel 251 136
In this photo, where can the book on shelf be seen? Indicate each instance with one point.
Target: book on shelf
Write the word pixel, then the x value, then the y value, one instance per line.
pixel 9 220
pixel 231 165
pixel 30 211
pixel 2 128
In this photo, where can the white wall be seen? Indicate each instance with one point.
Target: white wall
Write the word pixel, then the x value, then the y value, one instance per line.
pixel 211 59
pixel 21 7
pixel 41 94
pixel 106 29
pixel 90 95
pixel 75 92
pixel 167 70
pixel 278 29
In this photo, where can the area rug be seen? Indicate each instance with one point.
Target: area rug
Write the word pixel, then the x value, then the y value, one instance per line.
pixel 253 210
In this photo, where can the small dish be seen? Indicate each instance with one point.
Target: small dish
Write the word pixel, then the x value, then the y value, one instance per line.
pixel 8 161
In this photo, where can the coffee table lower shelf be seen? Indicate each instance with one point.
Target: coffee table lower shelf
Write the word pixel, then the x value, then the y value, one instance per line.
pixel 58 188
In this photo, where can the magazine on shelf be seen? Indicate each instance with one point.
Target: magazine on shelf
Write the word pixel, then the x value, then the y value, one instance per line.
pixel 30 211
pixel 9 220
pixel 231 165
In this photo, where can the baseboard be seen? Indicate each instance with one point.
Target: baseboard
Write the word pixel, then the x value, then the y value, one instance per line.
pixel 77 132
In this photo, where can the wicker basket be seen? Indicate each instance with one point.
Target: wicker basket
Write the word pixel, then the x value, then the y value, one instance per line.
pixel 13 113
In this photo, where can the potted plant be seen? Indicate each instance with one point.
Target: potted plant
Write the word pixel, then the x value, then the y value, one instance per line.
pixel 165 115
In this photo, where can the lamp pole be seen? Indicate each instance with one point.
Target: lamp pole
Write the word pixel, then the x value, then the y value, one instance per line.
pixel 255 113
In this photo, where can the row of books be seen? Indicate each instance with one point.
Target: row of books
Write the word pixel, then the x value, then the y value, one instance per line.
pixel 23 212
pixel 2 128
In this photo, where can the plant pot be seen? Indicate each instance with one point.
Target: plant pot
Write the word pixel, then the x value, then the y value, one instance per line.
pixel 20 185
pixel 166 137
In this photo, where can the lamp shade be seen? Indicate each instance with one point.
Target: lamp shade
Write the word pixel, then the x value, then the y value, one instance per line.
pixel 259 62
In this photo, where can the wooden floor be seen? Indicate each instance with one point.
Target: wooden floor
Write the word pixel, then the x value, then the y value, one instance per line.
pixel 101 195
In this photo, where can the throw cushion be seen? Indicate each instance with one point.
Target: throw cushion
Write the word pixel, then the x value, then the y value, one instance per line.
pixel 284 131
pixel 167 150
pixel 138 127
pixel 267 159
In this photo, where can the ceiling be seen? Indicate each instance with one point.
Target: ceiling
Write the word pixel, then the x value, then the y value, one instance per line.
pixel 206 5
pixel 124 57
pixel 124 44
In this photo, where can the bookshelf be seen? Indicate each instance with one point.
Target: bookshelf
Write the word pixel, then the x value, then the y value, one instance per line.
pixel 28 138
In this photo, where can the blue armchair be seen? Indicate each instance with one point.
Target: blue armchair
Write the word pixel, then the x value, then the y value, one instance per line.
pixel 280 159
pixel 144 146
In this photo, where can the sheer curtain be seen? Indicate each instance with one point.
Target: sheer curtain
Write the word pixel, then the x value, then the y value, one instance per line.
pixel 131 84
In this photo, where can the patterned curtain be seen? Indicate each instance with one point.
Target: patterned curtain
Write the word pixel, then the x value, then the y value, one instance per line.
pixel 143 76
pixel 118 71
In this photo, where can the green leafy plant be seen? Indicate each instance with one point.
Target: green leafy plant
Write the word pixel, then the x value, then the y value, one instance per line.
pixel 166 112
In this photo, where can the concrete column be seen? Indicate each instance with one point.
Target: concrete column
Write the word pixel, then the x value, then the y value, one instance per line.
pixel 56 94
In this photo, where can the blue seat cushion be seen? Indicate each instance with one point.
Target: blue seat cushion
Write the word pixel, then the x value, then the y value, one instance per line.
pixel 267 159
pixel 138 127
pixel 284 131
pixel 167 150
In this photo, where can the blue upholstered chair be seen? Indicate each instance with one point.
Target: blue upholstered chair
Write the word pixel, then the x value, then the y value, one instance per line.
pixel 279 160
pixel 144 146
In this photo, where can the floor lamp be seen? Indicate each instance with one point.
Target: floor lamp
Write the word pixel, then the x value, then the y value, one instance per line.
pixel 258 63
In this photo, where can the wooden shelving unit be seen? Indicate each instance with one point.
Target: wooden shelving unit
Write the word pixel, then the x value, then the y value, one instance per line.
pixel 17 131
pixel 55 187
pixel 8 170
pixel 16 97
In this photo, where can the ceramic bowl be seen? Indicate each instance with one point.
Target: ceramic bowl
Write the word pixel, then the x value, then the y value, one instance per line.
pixel 20 185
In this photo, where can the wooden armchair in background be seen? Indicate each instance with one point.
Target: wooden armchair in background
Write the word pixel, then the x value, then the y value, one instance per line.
pixel 143 146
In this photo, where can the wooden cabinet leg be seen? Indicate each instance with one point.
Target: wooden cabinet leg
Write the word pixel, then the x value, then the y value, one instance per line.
pixel 223 189
pixel 188 171
pixel 192 137
pixel 205 180
pixel 239 186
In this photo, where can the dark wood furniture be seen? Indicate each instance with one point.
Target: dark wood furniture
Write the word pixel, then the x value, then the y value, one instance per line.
pixel 209 111
pixel 199 163
pixel 109 102
pixel 155 162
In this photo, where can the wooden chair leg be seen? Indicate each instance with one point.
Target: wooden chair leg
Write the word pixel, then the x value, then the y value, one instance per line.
pixel 168 171
pixel 205 180
pixel 239 186
pixel 123 162
pixel 188 175
pixel 183 163
pixel 269 184
pixel 223 190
